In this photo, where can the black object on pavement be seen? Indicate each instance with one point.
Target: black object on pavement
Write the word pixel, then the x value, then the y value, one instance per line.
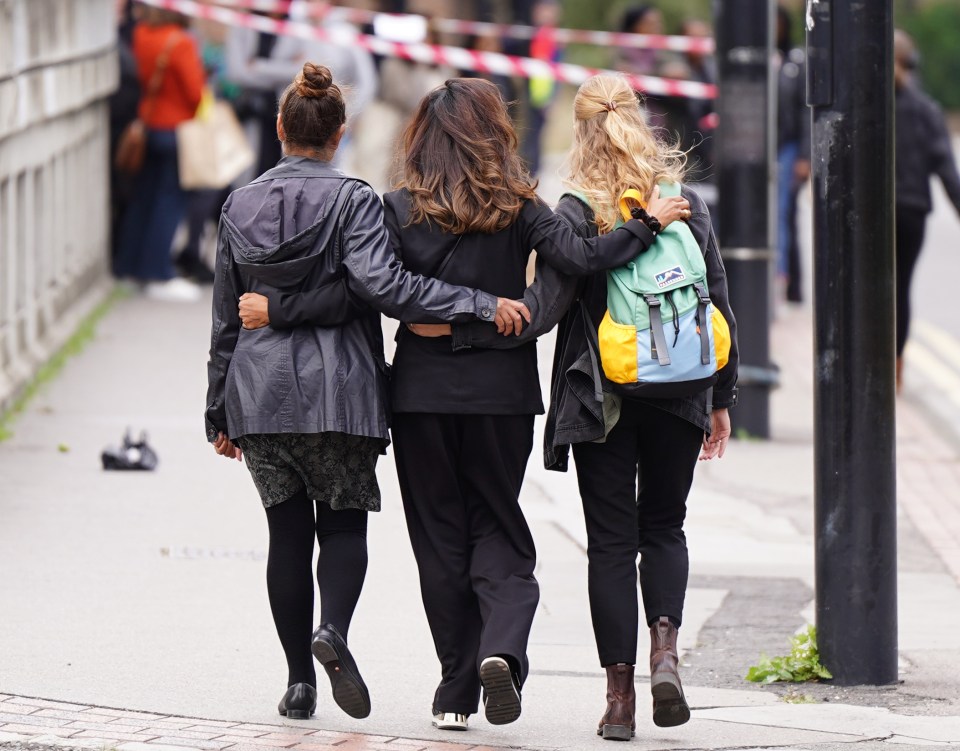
pixel 131 455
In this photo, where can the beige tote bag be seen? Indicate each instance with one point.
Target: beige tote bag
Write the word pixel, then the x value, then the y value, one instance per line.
pixel 212 149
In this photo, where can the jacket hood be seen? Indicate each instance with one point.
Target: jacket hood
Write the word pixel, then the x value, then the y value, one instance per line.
pixel 283 220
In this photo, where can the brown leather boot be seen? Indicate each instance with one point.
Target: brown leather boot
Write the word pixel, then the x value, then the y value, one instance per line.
pixel 669 705
pixel 617 723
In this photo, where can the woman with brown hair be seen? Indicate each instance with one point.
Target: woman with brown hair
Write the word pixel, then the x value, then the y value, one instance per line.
pixel 306 405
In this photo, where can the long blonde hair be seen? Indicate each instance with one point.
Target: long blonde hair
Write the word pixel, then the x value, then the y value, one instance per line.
pixel 614 148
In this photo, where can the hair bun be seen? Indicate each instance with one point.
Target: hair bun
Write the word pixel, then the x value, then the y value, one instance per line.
pixel 313 81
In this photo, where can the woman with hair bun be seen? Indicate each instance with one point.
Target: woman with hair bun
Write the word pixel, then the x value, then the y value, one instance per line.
pixel 305 402
pixel 635 457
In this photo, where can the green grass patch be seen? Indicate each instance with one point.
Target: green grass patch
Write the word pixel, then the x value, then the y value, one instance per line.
pixel 802 664
pixel 795 697
pixel 85 333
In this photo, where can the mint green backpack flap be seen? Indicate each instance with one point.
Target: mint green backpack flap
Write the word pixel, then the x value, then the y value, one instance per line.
pixel 671 268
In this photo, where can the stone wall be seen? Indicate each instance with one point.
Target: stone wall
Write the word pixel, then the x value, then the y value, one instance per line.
pixel 57 66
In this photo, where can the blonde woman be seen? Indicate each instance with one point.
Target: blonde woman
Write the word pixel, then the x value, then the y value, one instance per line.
pixel 633 482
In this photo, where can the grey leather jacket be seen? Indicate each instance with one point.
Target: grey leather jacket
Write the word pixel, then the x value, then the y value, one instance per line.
pixel 304 227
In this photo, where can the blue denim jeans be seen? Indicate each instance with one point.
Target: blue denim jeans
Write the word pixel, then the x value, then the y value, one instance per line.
pixel 156 208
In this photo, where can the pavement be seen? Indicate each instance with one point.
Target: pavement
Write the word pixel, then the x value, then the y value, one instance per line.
pixel 133 611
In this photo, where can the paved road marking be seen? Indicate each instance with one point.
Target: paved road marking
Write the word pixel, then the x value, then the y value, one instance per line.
pixel 945 344
pixel 931 366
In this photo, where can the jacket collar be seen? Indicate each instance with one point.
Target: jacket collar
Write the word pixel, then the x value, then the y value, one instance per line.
pixel 300 166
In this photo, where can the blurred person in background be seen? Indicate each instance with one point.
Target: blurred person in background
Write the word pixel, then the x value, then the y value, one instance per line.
pixel 793 152
pixel 163 48
pixel 124 104
pixel 540 92
pixel 264 64
pixel 641 61
pixel 306 405
pixel 923 149
pixel 246 50
pixel 696 133
pixel 662 111
pixel 204 206
pixel 488 43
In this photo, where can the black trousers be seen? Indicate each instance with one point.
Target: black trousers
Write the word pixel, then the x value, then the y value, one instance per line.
pixel 460 478
pixel 911 227
pixel 634 490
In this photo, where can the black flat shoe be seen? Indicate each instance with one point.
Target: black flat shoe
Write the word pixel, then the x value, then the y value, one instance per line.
pixel 349 691
pixel 299 702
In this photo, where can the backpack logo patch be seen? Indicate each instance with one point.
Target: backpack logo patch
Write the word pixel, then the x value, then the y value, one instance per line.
pixel 670 276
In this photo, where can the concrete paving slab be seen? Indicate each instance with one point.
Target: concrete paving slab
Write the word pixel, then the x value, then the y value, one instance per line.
pixel 865 722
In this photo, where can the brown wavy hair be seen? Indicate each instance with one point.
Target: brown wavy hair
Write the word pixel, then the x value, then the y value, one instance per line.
pixel 460 160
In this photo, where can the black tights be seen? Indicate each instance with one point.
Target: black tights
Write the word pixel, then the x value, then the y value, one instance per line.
pixel 341 567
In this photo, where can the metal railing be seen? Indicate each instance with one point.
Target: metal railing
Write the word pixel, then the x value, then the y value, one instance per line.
pixel 57 66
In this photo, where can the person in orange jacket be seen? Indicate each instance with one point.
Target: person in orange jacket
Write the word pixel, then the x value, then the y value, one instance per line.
pixel 172 79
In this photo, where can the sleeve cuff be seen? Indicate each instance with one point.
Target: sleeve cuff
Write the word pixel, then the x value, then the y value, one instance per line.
pixel 486 308
pixel 275 311
pixel 639 230
pixel 725 399
pixel 460 337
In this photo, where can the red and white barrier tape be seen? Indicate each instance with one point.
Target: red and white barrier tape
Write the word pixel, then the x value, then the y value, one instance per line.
pixel 456 57
pixel 319 9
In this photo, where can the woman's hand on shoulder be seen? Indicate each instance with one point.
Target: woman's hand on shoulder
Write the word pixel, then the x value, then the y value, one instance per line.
pixel 510 316
pixel 715 443
pixel 667 209
pixel 254 310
